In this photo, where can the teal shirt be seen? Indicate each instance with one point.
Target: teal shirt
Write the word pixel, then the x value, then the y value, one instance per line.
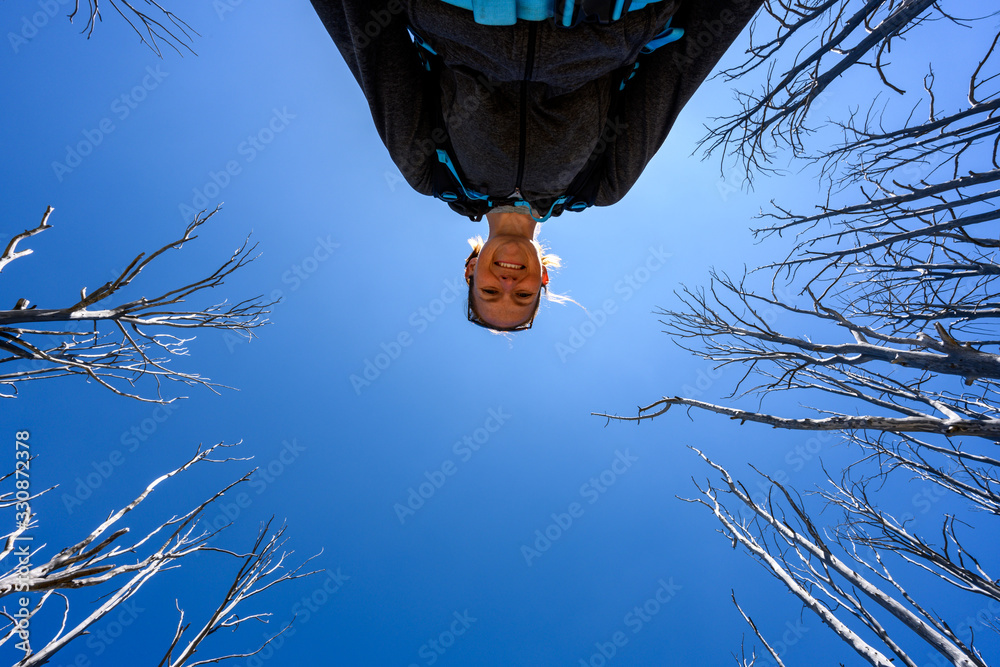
pixel 507 12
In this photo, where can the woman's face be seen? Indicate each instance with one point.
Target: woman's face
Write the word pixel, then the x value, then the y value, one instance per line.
pixel 507 280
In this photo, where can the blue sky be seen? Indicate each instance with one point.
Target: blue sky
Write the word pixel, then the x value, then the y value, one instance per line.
pixel 267 119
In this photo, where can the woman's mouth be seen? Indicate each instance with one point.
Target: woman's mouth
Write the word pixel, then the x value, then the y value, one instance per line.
pixel 509 265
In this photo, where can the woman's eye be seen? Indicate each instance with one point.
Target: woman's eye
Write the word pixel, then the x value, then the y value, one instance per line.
pixel 524 295
pixel 491 292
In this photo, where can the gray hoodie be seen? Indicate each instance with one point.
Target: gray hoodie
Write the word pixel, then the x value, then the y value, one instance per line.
pixel 526 107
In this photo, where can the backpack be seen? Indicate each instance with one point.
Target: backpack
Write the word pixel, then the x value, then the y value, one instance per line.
pixel 566 13
pixel 447 181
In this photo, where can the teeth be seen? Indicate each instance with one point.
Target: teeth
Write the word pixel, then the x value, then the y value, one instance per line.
pixel 508 265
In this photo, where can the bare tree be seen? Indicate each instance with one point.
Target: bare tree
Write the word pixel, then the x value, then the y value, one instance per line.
pixel 894 279
pixel 107 558
pixel 153 23
pixel 814 43
pixel 849 589
pixel 126 342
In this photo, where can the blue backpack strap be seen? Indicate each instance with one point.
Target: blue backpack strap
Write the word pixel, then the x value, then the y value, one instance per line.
pixel 569 13
pixel 424 50
pixel 552 209
pixel 566 13
pixel 473 196
pixel 506 12
pixel 666 36
pixel 449 196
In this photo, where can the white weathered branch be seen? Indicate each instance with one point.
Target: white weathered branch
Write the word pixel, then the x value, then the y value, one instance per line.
pixel 988 428
pixel 100 559
pixel 141 348
pixel 811 544
pixel 11 252
pixel 170 29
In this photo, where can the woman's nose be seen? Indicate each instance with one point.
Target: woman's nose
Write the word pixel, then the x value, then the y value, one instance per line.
pixel 508 282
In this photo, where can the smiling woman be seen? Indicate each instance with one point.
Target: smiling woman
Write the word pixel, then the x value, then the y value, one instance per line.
pixel 507 273
pixel 521 111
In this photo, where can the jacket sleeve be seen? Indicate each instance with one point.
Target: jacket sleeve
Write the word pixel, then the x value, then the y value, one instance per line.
pixel 665 81
pixel 373 40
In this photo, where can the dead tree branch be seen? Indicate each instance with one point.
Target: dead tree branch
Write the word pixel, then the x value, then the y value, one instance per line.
pixel 136 344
